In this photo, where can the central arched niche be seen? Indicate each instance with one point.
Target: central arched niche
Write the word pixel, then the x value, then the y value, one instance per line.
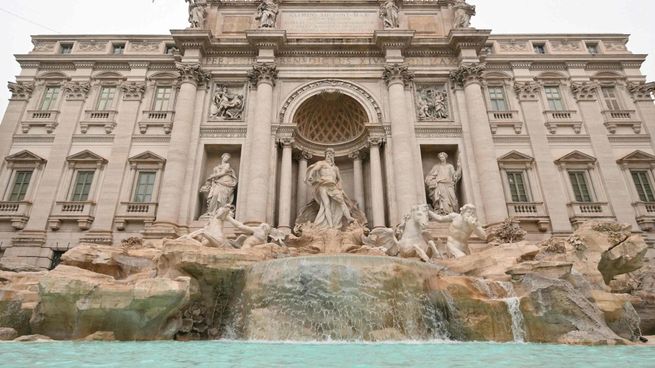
pixel 330 118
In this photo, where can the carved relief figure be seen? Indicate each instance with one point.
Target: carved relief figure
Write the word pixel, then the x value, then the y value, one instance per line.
pixel 432 104
pixel 226 105
pixel 212 235
pixel 197 13
pixel 389 14
pixel 267 14
pixel 220 186
pixel 463 14
pixel 462 226
pixel 441 185
pixel 325 179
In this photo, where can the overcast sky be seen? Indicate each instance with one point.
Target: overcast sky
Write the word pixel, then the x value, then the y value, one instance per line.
pixel 21 18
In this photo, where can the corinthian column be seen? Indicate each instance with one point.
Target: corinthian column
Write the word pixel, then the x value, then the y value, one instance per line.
pixel 191 76
pixel 397 77
pixel 491 187
pixel 21 92
pixel 301 189
pixel 284 211
pixel 377 194
pixel 262 75
pixel 358 179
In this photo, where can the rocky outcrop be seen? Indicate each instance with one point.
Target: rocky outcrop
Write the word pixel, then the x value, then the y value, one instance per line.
pixel 101 336
pixel 32 338
pixel 7 334
pixel 118 262
pixel 19 295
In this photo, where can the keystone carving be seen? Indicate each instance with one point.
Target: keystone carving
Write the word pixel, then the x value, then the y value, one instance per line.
pixel 192 72
pixel 641 91
pixel 133 91
pixel 398 73
pixel 21 90
pixel 527 90
pixel 467 73
pixel 584 91
pixel 76 90
pixel 263 73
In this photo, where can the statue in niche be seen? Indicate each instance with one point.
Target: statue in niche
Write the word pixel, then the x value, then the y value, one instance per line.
pixel 432 104
pixel 331 207
pixel 441 185
pixel 462 226
pixel 220 186
pixel 389 14
pixel 410 239
pixel 197 13
pixel 212 235
pixel 463 14
pixel 226 105
pixel 267 14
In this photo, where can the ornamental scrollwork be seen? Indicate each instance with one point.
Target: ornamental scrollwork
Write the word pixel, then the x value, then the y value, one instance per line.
pixel 527 90
pixel 133 90
pixel 584 91
pixel 263 72
pixel 21 90
pixel 398 73
pixel 192 72
pixel 76 90
pixel 641 91
pixel 467 73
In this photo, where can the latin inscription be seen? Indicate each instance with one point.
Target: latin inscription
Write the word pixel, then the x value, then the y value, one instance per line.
pixel 330 22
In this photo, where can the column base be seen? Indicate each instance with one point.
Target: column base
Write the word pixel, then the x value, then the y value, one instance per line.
pixel 104 237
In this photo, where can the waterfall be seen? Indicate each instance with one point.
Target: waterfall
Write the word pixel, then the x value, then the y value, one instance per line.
pixel 514 309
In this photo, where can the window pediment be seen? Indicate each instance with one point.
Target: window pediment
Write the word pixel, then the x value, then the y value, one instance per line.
pixel 576 158
pixel 25 158
pixel 637 159
pixel 85 158
pixel 514 159
pixel 147 159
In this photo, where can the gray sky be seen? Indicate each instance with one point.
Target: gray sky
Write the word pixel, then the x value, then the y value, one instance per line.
pixel 20 19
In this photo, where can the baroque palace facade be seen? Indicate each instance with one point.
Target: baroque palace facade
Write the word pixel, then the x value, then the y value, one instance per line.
pixel 109 137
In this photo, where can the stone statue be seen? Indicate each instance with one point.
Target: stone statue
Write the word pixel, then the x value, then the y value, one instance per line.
pixel 253 237
pixel 389 14
pixel 462 226
pixel 226 105
pixel 325 179
pixel 220 186
pixel 212 235
pixel 197 13
pixel 441 185
pixel 413 240
pixel 463 14
pixel 267 14
pixel 432 104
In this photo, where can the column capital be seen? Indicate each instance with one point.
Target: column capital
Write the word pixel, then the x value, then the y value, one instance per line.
pixel 356 155
pixel 286 141
pixel 584 91
pixel 527 91
pixel 469 73
pixel 133 91
pixel 21 90
pixel 263 73
pixel 397 73
pixel 76 91
pixel 375 141
pixel 191 73
pixel 641 91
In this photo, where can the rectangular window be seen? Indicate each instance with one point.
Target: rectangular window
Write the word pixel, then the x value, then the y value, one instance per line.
pixel 145 185
pixel 66 48
pixel 21 183
pixel 497 98
pixel 163 98
pixel 50 98
pixel 580 186
pixel 106 98
pixel 642 183
pixel 611 100
pixel 82 187
pixel 118 48
pixel 517 186
pixel 554 98
pixel 539 48
pixel 592 48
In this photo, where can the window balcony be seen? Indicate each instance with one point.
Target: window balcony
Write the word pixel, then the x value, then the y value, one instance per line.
pixel 505 119
pixel 40 118
pixel 135 212
pixel 82 212
pixel 16 212
pixel 564 118
pixel 580 211
pixel 645 215
pixel 99 118
pixel 621 118
pixel 163 119
pixel 530 212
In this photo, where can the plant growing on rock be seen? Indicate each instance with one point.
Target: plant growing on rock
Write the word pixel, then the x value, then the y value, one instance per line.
pixel 508 232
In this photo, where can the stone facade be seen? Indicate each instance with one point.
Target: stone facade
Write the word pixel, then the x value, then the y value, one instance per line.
pixel 109 137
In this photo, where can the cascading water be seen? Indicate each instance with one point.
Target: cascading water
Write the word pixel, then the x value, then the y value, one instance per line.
pixel 514 309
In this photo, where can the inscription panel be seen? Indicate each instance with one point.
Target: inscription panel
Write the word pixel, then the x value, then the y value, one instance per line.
pixel 330 22
pixel 237 23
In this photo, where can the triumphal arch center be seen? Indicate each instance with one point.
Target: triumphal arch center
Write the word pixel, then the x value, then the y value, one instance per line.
pixel 116 136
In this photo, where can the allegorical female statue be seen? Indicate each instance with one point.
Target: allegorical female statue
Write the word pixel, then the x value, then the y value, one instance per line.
pixel 267 13
pixel 197 13
pixel 389 14
pixel 441 185
pixel 220 186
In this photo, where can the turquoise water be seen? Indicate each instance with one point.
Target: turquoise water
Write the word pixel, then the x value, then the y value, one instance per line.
pixel 241 354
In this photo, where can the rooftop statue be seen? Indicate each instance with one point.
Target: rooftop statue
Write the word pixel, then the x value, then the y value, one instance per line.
pixel 197 13
pixel 389 14
pixel 267 14
pixel 462 226
pixel 441 185
pixel 463 14
pixel 220 185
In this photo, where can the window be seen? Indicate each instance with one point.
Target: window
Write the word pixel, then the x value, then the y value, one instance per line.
pixel 50 98
pixel 21 183
pixel 144 186
pixel 592 48
pixel 118 48
pixel 554 98
pixel 539 48
pixel 497 98
pixel 162 98
pixel 66 48
pixel 517 186
pixel 611 100
pixel 82 187
pixel 580 186
pixel 106 98
pixel 642 183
